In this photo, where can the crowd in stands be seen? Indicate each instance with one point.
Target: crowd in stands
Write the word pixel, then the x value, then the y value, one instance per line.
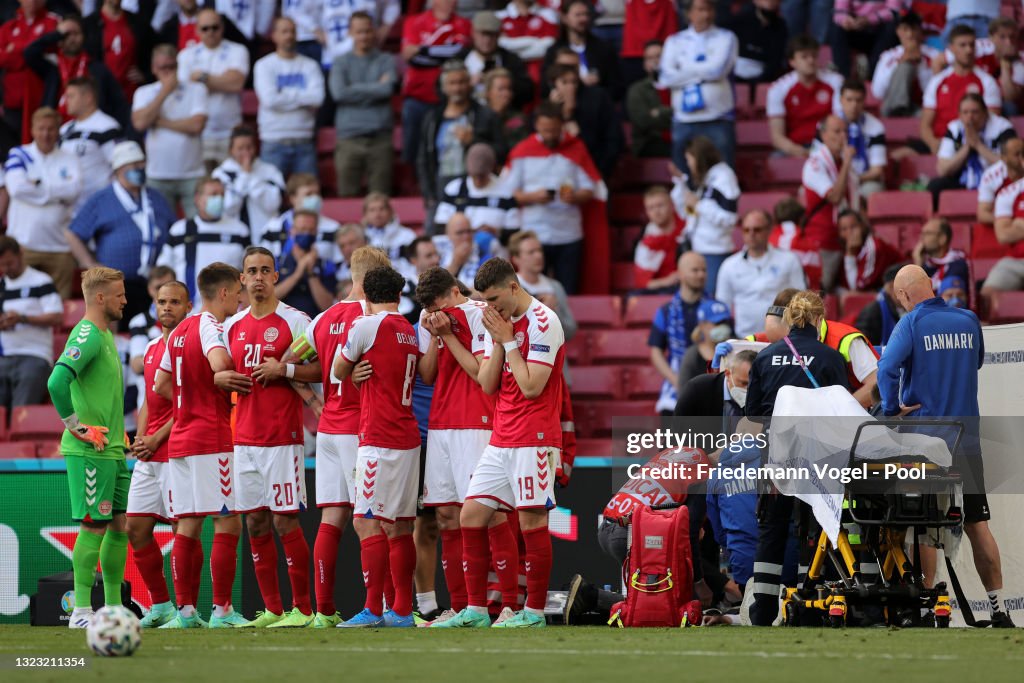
pixel 708 153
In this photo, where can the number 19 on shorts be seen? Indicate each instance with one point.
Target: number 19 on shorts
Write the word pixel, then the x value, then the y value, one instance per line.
pixel 525 488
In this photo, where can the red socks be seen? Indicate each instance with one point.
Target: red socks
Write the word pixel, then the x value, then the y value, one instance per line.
pixel 264 559
pixel 150 562
pixel 538 567
pixel 451 562
pixel 505 558
pixel 389 583
pixel 475 562
pixel 325 557
pixel 296 553
pixel 403 563
pixel 374 556
pixel 197 572
pixel 183 568
pixel 223 558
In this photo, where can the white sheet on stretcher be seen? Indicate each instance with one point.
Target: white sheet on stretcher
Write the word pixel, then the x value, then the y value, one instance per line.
pixel 825 437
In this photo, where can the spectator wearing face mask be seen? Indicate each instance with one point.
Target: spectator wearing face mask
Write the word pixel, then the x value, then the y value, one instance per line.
pixel 953 291
pixel 718 393
pixel 194 243
pixel 307 279
pixel 714 326
pixel 934 253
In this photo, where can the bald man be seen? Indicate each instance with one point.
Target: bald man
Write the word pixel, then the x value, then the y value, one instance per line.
pixel 935 352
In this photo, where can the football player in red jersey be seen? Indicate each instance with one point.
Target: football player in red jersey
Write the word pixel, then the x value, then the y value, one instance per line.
pixel 337 439
pixel 200 449
pixel 451 339
pixel 387 466
pixel 523 359
pixel 268 436
pixel 147 497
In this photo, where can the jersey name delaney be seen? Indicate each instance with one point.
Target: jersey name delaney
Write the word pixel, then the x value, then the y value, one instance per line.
pixel 949 342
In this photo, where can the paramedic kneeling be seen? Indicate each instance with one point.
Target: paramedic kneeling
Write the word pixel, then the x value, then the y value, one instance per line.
pixel 935 351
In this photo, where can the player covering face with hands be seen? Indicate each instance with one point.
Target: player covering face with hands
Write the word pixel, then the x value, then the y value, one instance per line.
pixel 86 386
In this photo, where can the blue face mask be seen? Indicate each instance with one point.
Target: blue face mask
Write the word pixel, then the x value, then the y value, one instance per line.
pixel 956 302
pixel 313 202
pixel 304 242
pixel 215 206
pixel 136 176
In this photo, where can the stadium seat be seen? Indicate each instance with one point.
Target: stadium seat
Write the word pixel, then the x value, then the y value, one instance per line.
pixel 898 131
pixel 852 303
pixel 891 233
pixel 783 173
pixel 962 235
pixel 60 339
pixel 916 167
pixel 896 206
pixel 409 210
pixel 639 174
pixel 597 311
pixel 958 205
pixel 623 277
pixel 594 448
pixel 596 382
pixel 984 243
pixel 642 382
pixel 831 307
pixel 74 311
pixel 3 423
pixel 17 450
pixel 627 208
pixel 640 310
pixel 624 241
pixel 328 177
pixel 577 349
pixel 250 104
pixel 343 210
pixel 1006 307
pixel 761 98
pixel 599 414
pixel 753 136
pixel 761 200
pixel 325 139
pixel 48 449
pixel 35 422
pixel 981 267
pixel 619 346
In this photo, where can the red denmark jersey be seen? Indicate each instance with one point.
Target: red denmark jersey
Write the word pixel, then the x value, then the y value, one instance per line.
pixel 15 35
pixel 650 490
pixel 326 335
pixel 1010 204
pixel 803 106
pixel 518 421
pixel 202 412
pixel 389 343
pixel 271 415
pixel 647 20
pixel 459 402
pixel 119 50
pixel 537 22
pixel 947 88
pixel 158 407
pixel 426 30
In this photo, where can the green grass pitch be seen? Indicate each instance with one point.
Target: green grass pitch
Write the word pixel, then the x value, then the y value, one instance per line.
pixel 721 654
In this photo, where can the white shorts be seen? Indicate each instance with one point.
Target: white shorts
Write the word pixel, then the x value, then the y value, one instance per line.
pixel 452 455
pixel 150 486
pixel 386 481
pixel 202 485
pixel 336 469
pixel 525 476
pixel 269 478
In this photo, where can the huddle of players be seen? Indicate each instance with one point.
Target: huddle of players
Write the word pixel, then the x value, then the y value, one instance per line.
pixel 493 443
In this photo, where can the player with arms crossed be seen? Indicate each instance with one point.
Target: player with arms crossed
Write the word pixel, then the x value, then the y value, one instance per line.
pixel 269 470
pixel 388 463
pixel 200 450
pixel 451 338
pixel 523 361
pixel 148 496
pixel 337 438
pixel 86 386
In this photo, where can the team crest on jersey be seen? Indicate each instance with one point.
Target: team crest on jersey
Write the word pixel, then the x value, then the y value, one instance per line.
pixel 822 97
pixel 105 507
pixel 973 88
pixel 73 353
pixel 270 334
pixel 520 338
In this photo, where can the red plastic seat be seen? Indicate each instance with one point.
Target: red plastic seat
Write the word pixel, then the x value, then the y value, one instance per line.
pixel 852 303
pixel 958 205
pixel 596 311
pixel 594 448
pixel 619 346
pixel 35 422
pixel 328 177
pixel 898 131
pixel 3 423
pixel 17 450
pixel 250 104
pixel 325 139
pixel 761 200
pixel 761 98
pixel 48 449
pixel 896 206
pixel 60 339
pixel 627 208
pixel 624 240
pixel 409 210
pixel 74 311
pixel 623 277
pixel 1006 307
pixel 596 382
pixel 642 382
pixel 891 233
pixel 577 349
pixel 599 414
pixel 913 168
pixel 984 243
pixel 343 210
pixel 753 136
pixel 638 174
pixel 783 173
pixel 640 310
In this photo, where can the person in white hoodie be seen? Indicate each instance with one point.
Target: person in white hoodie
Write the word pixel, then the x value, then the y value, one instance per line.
pixel 253 188
pixel 290 89
pixel 382 226
pixel 710 209
pixel 44 183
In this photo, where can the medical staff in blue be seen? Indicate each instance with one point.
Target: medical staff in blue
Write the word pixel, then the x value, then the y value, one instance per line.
pixel 929 368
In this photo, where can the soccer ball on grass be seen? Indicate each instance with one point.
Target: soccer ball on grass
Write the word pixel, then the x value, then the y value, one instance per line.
pixel 114 631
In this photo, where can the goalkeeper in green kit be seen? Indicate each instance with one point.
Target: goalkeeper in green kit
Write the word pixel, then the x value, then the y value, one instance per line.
pixel 87 389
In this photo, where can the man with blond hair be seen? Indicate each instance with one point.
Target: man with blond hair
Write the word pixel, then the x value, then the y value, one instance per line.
pixel 86 388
